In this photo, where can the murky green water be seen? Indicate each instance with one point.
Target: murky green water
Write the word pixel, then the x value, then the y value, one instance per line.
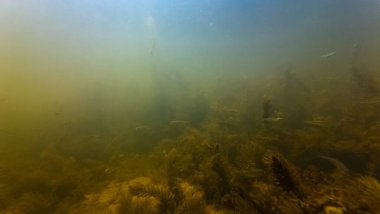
pixel 218 106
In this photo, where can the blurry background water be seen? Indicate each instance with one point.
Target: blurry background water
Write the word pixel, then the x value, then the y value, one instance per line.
pixel 65 61
pixel 89 76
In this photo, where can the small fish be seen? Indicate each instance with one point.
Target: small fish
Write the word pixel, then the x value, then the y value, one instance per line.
pixel 319 121
pixel 142 128
pixel 273 119
pixel 179 123
pixel 341 167
pixel 328 55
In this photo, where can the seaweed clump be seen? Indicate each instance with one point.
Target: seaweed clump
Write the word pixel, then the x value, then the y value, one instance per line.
pixel 225 187
pixel 363 195
pixel 186 198
pixel 285 174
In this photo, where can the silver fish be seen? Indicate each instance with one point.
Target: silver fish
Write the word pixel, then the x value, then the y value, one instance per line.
pixel 179 123
pixel 340 167
pixel 273 119
pixel 142 128
pixel 328 55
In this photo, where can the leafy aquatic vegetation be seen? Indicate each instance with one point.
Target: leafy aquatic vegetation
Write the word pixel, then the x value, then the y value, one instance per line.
pixel 303 149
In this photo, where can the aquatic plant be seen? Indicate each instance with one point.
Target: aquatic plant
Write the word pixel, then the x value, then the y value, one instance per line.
pixel 249 156
pixel 268 108
pixel 221 170
pixel 160 199
pixel 211 160
pixel 198 109
pixel 225 186
pixel 363 195
pixel 285 174
pixel 364 81
pixel 30 203
pixel 161 193
pixel 192 201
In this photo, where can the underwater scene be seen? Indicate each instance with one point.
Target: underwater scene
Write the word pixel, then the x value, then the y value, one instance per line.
pixel 187 107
